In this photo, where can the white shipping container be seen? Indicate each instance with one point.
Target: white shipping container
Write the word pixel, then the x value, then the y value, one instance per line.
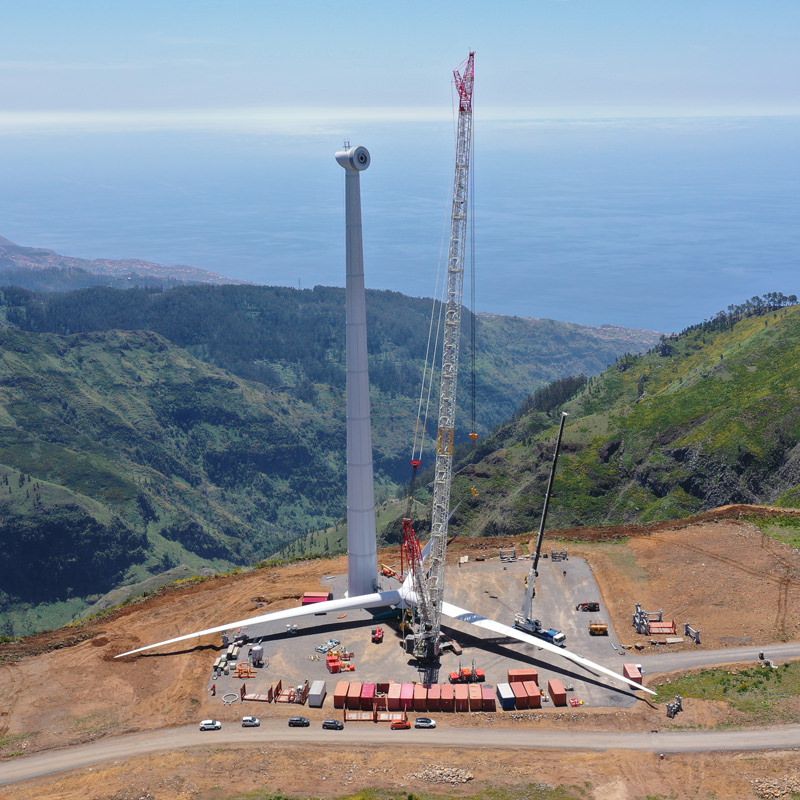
pixel 317 694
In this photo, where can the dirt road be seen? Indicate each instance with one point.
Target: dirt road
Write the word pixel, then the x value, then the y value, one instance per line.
pixel 121 748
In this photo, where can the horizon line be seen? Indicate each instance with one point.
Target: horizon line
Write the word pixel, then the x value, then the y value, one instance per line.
pixel 327 120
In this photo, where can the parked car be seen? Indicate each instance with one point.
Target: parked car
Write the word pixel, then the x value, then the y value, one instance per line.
pixel 333 725
pixel 424 722
pixel 210 725
pixel 299 722
pixel 251 722
pixel 400 725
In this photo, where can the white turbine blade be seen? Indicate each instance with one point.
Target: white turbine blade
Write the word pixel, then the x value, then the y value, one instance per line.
pixel 375 600
pixel 454 612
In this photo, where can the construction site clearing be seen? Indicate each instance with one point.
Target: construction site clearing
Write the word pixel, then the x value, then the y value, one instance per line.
pixel 276 663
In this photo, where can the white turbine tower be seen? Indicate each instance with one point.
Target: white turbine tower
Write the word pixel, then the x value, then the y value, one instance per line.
pixel 361 537
pixel 362 551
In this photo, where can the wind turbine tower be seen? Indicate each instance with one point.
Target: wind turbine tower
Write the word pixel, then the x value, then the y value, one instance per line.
pixel 361 539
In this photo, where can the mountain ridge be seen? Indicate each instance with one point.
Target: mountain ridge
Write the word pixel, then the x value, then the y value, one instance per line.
pixel 706 418
pixel 21 259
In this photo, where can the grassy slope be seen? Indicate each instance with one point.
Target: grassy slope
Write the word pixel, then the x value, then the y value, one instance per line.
pixel 122 435
pixel 657 436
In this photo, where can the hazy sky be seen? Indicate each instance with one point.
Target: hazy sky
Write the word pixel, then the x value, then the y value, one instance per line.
pixel 150 63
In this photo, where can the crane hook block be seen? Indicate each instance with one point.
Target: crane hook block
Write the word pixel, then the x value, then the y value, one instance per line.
pixel 416 463
pixel 473 436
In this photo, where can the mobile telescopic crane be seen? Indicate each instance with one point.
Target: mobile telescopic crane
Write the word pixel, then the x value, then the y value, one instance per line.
pixel 525 620
pixel 430 586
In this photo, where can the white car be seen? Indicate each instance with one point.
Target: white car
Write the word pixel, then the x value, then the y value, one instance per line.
pixel 210 725
pixel 424 722
pixel 251 722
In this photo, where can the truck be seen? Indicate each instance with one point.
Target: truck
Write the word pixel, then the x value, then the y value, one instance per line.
pixel 534 628
pixel 592 605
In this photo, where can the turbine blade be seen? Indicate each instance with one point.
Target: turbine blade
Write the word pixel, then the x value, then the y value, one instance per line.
pixel 375 600
pixel 454 612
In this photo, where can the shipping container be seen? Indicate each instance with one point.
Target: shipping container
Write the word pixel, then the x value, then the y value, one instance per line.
pixel 632 672
pixel 557 692
pixel 523 675
pixel 340 694
pixel 520 695
pixel 315 597
pixel 420 697
pixel 534 694
pixel 489 703
pixel 447 699
pixel 506 696
pixel 434 697
pixel 475 697
pixel 382 688
pixel 406 696
pixel 393 697
pixel 353 701
pixel 367 696
pixel 317 694
pixel 462 696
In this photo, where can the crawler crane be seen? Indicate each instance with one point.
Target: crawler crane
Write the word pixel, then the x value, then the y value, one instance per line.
pixel 429 586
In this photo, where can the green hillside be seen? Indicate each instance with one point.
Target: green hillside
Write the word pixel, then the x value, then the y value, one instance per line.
pixel 143 429
pixel 706 418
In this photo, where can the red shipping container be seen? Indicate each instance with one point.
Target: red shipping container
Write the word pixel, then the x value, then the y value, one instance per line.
pixel 407 697
pixel 434 697
pixel 340 693
pixel 534 695
pixel 522 675
pixel 353 700
pixel 632 671
pixel 393 697
pixel 315 597
pixel 367 696
pixel 420 698
pixel 520 695
pixel 475 697
pixel 557 692
pixel 489 703
pixel 462 697
pixel 447 701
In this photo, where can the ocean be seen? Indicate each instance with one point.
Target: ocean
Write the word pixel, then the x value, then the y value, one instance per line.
pixel 649 223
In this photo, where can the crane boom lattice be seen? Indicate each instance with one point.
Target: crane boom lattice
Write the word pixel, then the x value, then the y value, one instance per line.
pixel 430 609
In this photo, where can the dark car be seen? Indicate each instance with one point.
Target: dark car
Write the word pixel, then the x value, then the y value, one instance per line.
pixel 299 722
pixel 333 725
